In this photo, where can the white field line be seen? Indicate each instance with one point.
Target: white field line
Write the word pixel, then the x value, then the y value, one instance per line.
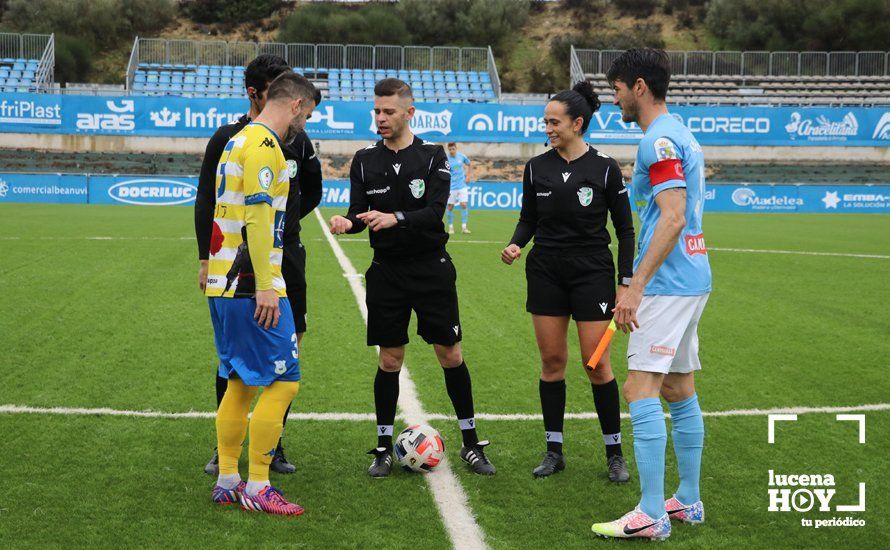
pixel 369 417
pixel 463 241
pixel 450 497
pixel 714 248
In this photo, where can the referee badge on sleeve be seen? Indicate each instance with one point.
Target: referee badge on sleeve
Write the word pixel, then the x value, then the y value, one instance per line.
pixel 417 186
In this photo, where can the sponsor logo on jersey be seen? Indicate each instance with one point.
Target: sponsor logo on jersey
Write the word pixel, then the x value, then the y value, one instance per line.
pixel 267 142
pixel 152 192
pixel 266 176
pixel 585 195
pixel 397 167
pixel 695 244
pixel 566 176
pixel 662 350
pixel 417 187
pixel 377 191
pixel 292 168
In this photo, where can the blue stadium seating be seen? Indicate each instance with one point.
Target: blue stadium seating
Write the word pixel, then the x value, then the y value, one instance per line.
pixel 18 75
pixel 342 84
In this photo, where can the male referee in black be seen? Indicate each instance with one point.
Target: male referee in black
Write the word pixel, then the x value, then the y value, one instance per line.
pixel 304 195
pixel 399 187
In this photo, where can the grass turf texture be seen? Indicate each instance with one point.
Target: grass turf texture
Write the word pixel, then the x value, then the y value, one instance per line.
pixel 120 323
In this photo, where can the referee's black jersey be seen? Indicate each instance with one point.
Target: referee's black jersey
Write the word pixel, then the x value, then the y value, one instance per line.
pixel 303 196
pixel 565 205
pixel 414 183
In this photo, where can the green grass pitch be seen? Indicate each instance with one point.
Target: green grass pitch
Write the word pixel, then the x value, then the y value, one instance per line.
pixel 100 308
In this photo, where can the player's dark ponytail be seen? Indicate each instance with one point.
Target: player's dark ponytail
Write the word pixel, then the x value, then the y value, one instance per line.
pixel 580 101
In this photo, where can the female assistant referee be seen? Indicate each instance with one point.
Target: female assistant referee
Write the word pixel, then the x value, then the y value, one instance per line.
pixel 567 193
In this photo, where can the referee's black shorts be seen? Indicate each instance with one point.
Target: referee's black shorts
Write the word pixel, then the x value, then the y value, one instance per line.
pixel 293 271
pixel 562 284
pixel 426 285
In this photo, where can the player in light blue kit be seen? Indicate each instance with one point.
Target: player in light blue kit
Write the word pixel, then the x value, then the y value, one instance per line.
pixel 663 305
pixel 461 172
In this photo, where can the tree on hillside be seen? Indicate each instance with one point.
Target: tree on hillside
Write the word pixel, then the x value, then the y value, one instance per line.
pixel 829 25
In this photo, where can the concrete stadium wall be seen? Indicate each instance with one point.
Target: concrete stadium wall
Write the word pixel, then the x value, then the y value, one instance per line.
pixel 624 153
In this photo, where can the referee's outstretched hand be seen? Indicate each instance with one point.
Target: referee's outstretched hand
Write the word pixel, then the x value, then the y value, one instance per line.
pixel 340 225
pixel 267 312
pixel 511 254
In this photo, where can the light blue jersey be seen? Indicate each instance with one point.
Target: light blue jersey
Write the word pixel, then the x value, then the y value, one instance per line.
pixel 669 157
pixel 458 171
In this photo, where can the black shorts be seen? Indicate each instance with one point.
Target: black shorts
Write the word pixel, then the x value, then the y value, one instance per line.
pixel 560 285
pixel 293 270
pixel 428 286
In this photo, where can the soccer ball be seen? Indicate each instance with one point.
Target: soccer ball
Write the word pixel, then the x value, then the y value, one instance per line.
pixel 419 448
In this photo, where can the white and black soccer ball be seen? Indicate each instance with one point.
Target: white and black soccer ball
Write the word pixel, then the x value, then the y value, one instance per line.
pixel 419 448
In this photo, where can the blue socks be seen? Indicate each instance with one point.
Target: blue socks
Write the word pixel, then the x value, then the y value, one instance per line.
pixel 450 216
pixel 689 437
pixel 465 215
pixel 650 438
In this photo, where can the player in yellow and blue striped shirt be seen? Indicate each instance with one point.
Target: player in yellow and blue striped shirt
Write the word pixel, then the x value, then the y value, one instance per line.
pixel 252 322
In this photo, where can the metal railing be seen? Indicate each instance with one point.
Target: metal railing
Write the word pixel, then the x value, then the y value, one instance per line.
pixel 493 74
pixel 747 63
pixel 46 67
pixel 132 64
pixel 313 56
pixel 41 47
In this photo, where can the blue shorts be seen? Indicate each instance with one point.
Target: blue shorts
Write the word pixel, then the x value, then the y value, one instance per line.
pixel 256 355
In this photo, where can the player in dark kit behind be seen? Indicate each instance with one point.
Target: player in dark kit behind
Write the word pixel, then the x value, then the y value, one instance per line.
pixel 567 194
pixel 304 195
pixel 399 187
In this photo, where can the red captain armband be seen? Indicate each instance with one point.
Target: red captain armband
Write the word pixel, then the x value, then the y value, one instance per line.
pixel 216 239
pixel 666 170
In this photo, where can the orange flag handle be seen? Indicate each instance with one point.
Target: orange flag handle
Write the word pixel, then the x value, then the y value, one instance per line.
pixel 601 347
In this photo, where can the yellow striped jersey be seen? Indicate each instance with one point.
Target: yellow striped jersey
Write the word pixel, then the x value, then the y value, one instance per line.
pixel 251 195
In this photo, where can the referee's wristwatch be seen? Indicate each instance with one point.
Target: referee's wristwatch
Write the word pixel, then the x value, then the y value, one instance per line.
pixel 624 281
pixel 400 219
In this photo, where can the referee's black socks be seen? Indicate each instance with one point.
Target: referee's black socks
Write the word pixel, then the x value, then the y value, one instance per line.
pixel 460 390
pixel 386 395
pixel 553 407
pixel 605 398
